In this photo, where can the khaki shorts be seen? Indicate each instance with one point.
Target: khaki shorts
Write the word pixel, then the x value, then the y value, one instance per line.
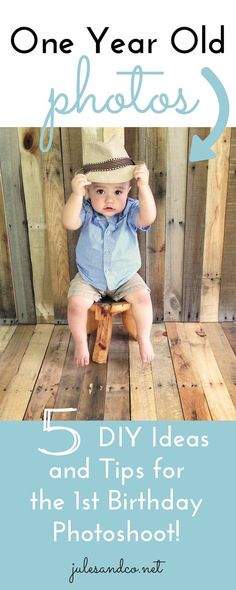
pixel 78 286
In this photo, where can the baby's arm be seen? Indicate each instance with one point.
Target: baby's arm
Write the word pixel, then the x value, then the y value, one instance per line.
pixel 147 213
pixel 71 212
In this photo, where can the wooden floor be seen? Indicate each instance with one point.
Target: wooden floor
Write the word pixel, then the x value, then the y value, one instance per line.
pixel 193 376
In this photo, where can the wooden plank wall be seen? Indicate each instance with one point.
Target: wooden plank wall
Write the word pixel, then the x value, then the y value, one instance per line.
pixel 15 223
pixel 188 257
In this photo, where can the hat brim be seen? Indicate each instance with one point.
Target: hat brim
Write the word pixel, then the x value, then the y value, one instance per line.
pixel 119 175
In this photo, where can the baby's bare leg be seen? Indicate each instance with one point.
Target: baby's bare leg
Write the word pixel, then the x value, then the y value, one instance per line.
pixel 143 315
pixel 77 319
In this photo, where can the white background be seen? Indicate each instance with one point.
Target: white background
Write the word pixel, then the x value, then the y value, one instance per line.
pixel 26 79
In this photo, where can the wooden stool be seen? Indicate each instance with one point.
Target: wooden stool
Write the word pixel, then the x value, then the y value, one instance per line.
pixel 100 319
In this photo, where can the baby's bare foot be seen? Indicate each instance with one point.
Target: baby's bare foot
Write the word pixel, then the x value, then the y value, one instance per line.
pixel 146 350
pixel 81 357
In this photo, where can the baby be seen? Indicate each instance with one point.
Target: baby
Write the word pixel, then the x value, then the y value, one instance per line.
pixel 107 253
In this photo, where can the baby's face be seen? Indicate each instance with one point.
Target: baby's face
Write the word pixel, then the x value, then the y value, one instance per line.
pixel 107 198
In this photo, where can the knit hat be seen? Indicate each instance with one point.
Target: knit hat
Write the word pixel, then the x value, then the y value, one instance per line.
pixel 107 162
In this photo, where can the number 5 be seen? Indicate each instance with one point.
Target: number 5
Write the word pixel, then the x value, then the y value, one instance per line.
pixel 48 428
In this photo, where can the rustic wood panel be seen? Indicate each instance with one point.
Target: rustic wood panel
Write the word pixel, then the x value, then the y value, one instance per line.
pixel 18 391
pixel 191 392
pixel 230 332
pixel 194 234
pixel 71 142
pixel 227 310
pixel 70 386
pixel 11 357
pixel 187 257
pixel 6 332
pixel 92 396
pixel 81 388
pixel 168 405
pixel 175 222
pixel 16 225
pixel 135 144
pixel 7 302
pixel 117 403
pixel 47 384
pixel 156 159
pixel 37 371
pixel 31 163
pixel 57 238
pixel 215 389
pixel 214 228
pixel 143 405
pixel 224 356
pixel 150 146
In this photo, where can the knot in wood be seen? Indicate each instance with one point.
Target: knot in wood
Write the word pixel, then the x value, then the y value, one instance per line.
pixel 28 141
pixel 105 309
pixel 200 332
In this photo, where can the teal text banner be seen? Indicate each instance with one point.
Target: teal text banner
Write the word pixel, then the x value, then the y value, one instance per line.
pixel 117 503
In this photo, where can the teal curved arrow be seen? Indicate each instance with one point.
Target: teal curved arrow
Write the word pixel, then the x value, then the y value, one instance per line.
pixel 201 148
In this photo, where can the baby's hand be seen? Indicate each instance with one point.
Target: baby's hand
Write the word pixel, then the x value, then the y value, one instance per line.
pixel 78 184
pixel 141 175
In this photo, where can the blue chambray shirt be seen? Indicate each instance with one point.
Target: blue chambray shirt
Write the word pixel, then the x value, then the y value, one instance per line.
pixel 107 251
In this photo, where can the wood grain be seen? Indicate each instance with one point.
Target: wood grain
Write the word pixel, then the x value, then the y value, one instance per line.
pixel 6 332
pixel 191 392
pixel 168 405
pixel 18 391
pixel 11 357
pixel 214 386
pixel 194 234
pixel 103 334
pixel 57 238
pixel 142 397
pixel 16 225
pixel 72 162
pixel 156 160
pixel 70 386
pixel 47 384
pixel 224 355
pixel 227 308
pixel 214 229
pixel 7 302
pixel 230 332
pixel 175 222
pixel 194 379
pixel 117 403
pixel 135 144
pixel 92 398
pixel 32 175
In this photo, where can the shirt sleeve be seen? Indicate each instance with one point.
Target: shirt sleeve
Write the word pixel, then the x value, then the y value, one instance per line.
pixel 132 216
pixel 86 211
